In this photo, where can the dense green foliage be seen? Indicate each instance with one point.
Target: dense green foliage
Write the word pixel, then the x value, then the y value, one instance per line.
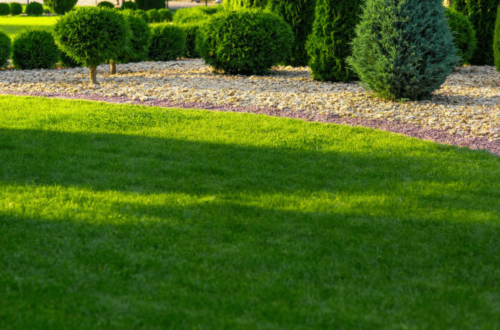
pixel 106 4
pixel 34 49
pixel 464 36
pixel 150 4
pixel 142 14
pixel 403 49
pixel 496 41
pixel 247 41
pixel 195 15
pixel 328 45
pixel 4 9
pixel 482 15
pixel 67 61
pixel 5 49
pixel 15 8
pixel 168 43
pixel 153 16
pixel 129 5
pixel 299 14
pixel 238 4
pixel 191 31
pixel 140 39
pixel 165 15
pixel 129 217
pixel 34 9
pixel 60 6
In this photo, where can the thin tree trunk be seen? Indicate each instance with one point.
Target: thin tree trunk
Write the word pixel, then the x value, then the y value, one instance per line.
pixel 93 75
pixel 112 67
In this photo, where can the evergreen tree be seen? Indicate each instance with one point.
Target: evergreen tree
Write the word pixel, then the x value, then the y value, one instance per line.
pixel 496 41
pixel 328 45
pixel 403 48
pixel 299 14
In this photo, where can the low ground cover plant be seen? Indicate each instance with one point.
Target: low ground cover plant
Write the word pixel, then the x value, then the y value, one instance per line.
pixel 403 49
pixel 34 49
pixel 464 36
pixel 5 49
pixel 60 6
pixel 15 8
pixel 168 42
pixel 34 9
pixel 4 9
pixel 247 41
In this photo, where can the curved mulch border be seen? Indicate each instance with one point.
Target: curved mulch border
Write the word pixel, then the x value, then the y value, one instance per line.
pixel 411 130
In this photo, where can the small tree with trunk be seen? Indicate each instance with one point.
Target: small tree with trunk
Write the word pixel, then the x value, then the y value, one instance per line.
pixel 92 35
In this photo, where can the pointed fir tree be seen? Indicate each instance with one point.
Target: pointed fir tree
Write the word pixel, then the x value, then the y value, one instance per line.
pixel 403 48
pixel 299 14
pixel 496 41
pixel 328 45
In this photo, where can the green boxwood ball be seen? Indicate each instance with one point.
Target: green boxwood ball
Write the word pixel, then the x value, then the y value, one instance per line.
pixel 34 49
pixel 34 9
pixel 129 5
pixel 165 15
pixel 153 16
pixel 140 40
pixel 169 43
pixel 105 4
pixel 5 49
pixel 4 9
pixel 15 8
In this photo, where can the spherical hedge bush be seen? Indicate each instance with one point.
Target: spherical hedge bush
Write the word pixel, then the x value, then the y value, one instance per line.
pixel 195 15
pixel 4 9
pixel 165 15
pixel 153 16
pixel 464 36
pixel 150 4
pixel 105 4
pixel 168 43
pixel 34 49
pixel 34 9
pixel 15 8
pixel 60 6
pixel 247 41
pixel 191 31
pixel 129 5
pixel 142 14
pixel 5 49
pixel 140 39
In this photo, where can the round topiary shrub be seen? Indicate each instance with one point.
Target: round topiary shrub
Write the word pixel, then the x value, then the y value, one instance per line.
pixel 142 14
pixel 15 8
pixel 4 9
pixel 464 36
pixel 129 5
pixel 60 6
pixel 153 16
pixel 168 43
pixel 247 41
pixel 403 49
pixel 239 4
pixel 90 46
pixel 67 61
pixel 105 4
pixel 34 49
pixel 191 31
pixel 496 41
pixel 165 15
pixel 5 49
pixel 150 4
pixel 34 9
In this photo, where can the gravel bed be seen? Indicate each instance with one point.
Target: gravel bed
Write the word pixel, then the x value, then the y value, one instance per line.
pixel 464 112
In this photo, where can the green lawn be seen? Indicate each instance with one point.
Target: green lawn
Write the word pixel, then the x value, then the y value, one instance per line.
pixel 13 25
pixel 127 217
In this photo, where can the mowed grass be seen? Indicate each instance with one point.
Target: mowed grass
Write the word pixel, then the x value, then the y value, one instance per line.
pixel 127 217
pixel 13 25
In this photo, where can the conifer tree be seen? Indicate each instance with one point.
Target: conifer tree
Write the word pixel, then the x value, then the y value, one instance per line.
pixel 237 4
pixel 403 48
pixel 328 45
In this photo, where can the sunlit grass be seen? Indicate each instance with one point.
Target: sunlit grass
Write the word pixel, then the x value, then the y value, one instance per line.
pixel 13 25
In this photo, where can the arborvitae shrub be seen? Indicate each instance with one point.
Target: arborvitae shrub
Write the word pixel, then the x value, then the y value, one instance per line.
pixel 191 31
pixel 129 5
pixel 90 46
pixel 5 49
pixel 195 15
pixel 15 8
pixel 34 9
pixel 140 39
pixel 143 15
pixel 403 48
pixel 300 15
pixel 105 4
pixel 329 43
pixel 238 4
pixel 67 61
pixel 247 41
pixel 482 15
pixel 169 43
pixel 165 15
pixel 464 36
pixel 60 6
pixel 153 16
pixel 496 41
pixel 34 49
pixel 4 9
pixel 150 4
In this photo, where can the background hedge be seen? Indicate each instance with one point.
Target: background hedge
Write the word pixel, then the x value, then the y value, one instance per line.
pixel 5 49
pixel 464 36
pixel 60 6
pixel 168 43
pixel 34 49
pixel 150 4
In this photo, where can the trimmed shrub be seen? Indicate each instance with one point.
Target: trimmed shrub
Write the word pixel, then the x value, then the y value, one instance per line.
pixel 153 16
pixel 67 61
pixel 4 9
pixel 90 46
pixel 496 41
pixel 60 6
pixel 168 43
pixel 34 9
pixel 142 14
pixel 300 15
pixel 482 15
pixel 34 49
pixel 247 41
pixel 150 4
pixel 5 49
pixel 403 49
pixel 464 36
pixel 238 4
pixel 165 15
pixel 129 5
pixel 195 15
pixel 106 4
pixel 328 45
pixel 140 40
pixel 191 31
pixel 15 8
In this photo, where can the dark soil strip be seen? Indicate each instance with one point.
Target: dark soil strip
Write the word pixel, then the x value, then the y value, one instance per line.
pixel 411 130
